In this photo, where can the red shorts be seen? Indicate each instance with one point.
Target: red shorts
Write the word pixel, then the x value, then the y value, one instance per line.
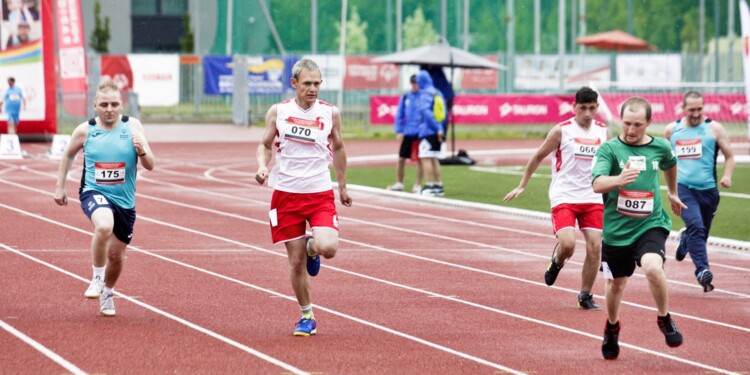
pixel 290 213
pixel 589 216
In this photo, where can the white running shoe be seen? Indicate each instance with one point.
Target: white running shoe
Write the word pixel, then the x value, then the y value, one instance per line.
pixel 107 304
pixel 95 288
pixel 396 187
pixel 416 189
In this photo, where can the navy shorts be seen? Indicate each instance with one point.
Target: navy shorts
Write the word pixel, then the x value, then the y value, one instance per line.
pixel 124 217
pixel 619 261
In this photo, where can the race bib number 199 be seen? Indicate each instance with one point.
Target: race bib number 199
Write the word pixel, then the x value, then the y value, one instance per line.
pixel 109 173
pixel 689 149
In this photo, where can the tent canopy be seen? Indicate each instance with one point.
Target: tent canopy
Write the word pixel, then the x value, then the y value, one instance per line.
pixel 439 54
pixel 615 40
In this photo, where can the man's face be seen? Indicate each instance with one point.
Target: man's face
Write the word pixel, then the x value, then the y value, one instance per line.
pixel 693 108
pixel 11 82
pixel 307 85
pixel 108 106
pixel 634 125
pixel 585 112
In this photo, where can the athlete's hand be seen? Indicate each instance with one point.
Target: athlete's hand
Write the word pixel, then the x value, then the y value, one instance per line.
pixel 515 193
pixel 676 203
pixel 138 143
pixel 261 175
pixel 441 136
pixel 726 182
pixel 61 198
pixel 628 175
pixel 346 200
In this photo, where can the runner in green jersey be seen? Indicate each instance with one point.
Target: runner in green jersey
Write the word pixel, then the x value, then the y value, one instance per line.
pixel 636 225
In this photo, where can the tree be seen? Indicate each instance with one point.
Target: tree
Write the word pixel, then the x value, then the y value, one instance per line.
pixel 418 31
pixel 187 41
pixel 100 35
pixel 356 37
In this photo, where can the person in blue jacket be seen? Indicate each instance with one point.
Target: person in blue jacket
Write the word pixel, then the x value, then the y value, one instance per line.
pixel 431 133
pixel 406 126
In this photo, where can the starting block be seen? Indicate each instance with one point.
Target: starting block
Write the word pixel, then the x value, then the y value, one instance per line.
pixel 10 147
pixel 59 144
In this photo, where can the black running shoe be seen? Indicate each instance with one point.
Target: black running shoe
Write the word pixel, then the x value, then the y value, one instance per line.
pixel 668 327
pixel 680 251
pixel 553 269
pixel 610 347
pixel 705 278
pixel 586 302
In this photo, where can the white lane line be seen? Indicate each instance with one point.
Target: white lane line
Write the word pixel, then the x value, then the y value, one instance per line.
pixel 182 321
pixel 259 288
pixel 41 348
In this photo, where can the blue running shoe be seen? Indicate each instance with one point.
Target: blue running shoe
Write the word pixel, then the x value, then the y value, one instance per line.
pixel 680 252
pixel 313 263
pixel 306 326
pixel 705 278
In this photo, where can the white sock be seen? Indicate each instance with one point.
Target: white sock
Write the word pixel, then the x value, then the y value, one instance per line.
pixel 99 271
pixel 307 309
pixel 108 291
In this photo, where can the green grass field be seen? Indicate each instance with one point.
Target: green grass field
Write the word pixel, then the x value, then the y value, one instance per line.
pixel 463 183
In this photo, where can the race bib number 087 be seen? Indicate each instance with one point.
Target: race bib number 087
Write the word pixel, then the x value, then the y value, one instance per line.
pixel 635 203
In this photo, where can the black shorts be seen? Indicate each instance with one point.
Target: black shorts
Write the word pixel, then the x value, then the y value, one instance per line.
pixel 124 217
pixel 619 261
pixel 409 148
pixel 430 147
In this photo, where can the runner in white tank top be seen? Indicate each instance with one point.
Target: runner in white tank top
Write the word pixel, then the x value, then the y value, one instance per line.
pixel 307 135
pixel 574 143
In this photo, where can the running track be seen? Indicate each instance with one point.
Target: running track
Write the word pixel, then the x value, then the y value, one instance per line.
pixel 415 288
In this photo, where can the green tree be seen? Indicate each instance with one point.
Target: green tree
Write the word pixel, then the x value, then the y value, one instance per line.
pixel 100 35
pixel 418 31
pixel 187 40
pixel 356 37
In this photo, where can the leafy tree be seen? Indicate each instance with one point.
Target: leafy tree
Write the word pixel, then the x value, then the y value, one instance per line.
pixel 187 41
pixel 100 35
pixel 356 37
pixel 418 31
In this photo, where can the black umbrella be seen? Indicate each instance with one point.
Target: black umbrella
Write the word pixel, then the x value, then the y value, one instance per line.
pixel 443 55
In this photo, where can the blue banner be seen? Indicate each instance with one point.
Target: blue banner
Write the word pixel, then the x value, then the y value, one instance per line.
pixel 266 75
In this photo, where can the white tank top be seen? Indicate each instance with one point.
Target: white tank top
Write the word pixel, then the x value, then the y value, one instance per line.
pixel 303 148
pixel 572 163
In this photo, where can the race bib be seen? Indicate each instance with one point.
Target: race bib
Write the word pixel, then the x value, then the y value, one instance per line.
pixel 637 162
pixel 635 203
pixel 689 149
pixel 14 97
pixel 585 149
pixel 109 173
pixel 303 130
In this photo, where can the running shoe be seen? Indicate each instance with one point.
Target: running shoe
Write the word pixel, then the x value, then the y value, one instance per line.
pixel 705 278
pixel 313 262
pixel 610 346
pixel 396 187
pixel 306 326
pixel 668 327
pixel 438 191
pixel 586 302
pixel 95 288
pixel 680 251
pixel 416 189
pixel 553 269
pixel 107 304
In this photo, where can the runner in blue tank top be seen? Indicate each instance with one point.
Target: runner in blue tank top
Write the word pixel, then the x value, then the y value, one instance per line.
pixel 696 141
pixel 112 147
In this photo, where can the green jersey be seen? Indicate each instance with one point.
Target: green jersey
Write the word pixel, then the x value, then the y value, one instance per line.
pixel 635 208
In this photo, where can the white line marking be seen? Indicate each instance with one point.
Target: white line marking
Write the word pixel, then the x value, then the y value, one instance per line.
pixel 42 349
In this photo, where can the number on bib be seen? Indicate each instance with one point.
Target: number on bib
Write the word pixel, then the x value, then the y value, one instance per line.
pixel 635 203
pixel 689 149
pixel 586 148
pixel 112 173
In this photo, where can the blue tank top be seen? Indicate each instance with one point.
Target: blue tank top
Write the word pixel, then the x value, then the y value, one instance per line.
pixel 109 163
pixel 696 152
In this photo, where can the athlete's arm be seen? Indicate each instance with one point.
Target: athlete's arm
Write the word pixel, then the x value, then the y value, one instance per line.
pixel 263 155
pixel 141 145
pixel 670 175
pixel 668 131
pixel 339 158
pixel 551 143
pixel 76 144
pixel 722 140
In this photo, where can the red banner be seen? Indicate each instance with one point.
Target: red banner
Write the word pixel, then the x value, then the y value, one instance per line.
pixel 72 56
pixel 550 109
pixel 117 68
pixel 361 74
pixel 480 79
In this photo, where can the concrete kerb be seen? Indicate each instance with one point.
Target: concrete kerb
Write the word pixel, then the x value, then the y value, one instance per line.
pixel 724 243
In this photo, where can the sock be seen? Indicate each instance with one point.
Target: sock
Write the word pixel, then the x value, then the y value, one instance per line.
pixel 107 291
pixel 665 317
pixel 309 249
pixel 307 309
pixel 99 272
pixel 439 184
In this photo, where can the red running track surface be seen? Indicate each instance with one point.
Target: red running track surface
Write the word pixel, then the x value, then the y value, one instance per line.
pixel 415 288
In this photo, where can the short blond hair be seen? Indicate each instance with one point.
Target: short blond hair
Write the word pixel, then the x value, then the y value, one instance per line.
pixel 108 85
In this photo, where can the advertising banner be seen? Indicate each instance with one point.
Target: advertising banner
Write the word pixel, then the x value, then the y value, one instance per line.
pixel 361 74
pixel 332 68
pixel 666 108
pixel 155 78
pixel 644 70
pixel 27 54
pixel 480 79
pixel 267 75
pixel 542 72
pixel 72 56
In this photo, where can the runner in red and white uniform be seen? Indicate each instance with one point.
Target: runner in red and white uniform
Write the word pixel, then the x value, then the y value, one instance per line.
pixel 307 135
pixel 572 198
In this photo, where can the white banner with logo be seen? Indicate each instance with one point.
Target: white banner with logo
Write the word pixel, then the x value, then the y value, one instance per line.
pixel 156 79
pixel 643 70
